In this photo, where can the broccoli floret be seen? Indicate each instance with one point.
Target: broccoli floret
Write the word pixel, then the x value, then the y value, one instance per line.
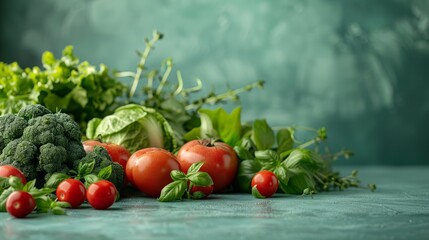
pixel 71 128
pixel 21 154
pixel 102 159
pixel 52 158
pixel 39 142
pixel 75 151
pixel 11 127
pixel 33 111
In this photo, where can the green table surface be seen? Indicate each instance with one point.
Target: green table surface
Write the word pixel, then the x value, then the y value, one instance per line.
pixel 399 209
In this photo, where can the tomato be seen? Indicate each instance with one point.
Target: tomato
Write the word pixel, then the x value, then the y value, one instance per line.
pixel 71 191
pixel 198 192
pixel 220 161
pixel 149 170
pixel 117 152
pixel 101 195
pixel 266 183
pixel 9 170
pixel 19 204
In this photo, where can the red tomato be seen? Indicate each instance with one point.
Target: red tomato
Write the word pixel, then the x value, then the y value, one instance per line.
pixel 71 191
pixel 201 192
pixel 220 161
pixel 9 170
pixel 101 195
pixel 19 204
pixel 266 183
pixel 149 170
pixel 117 152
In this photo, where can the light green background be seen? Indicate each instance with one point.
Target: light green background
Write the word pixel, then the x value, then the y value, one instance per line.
pixel 360 68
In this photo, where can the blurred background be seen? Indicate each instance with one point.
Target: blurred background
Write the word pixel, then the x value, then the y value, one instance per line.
pixel 360 68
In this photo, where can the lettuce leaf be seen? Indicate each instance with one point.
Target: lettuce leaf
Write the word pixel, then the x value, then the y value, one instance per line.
pixel 134 127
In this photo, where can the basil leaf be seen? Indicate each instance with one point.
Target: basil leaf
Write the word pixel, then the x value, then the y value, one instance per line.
pixel 200 179
pixel 85 169
pixel 218 123
pixel 90 179
pixel 177 175
pixel 198 195
pixel 262 135
pixel 58 211
pixel 299 181
pixel 303 159
pixel 105 172
pixel 284 140
pixel 256 193
pixel 268 157
pixel 195 167
pixel 283 177
pixel 246 170
pixel 3 198
pixel 29 186
pixel 243 154
pixel 43 204
pixel 15 183
pixel 55 179
pixel 173 191
pixel 248 144
pixel 41 192
pixel 4 183
pixel 62 204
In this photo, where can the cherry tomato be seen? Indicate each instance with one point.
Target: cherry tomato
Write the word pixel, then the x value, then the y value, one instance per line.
pixel 19 204
pixel 71 191
pixel 149 170
pixel 117 152
pixel 9 170
pixel 266 182
pixel 199 192
pixel 220 161
pixel 101 195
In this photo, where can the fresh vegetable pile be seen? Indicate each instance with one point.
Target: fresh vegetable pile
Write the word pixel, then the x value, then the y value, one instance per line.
pixel 157 138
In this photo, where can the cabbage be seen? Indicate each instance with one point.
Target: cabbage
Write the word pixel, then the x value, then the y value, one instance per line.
pixel 134 127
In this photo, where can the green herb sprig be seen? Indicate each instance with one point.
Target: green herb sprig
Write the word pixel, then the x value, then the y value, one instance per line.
pixel 183 183
pixel 178 104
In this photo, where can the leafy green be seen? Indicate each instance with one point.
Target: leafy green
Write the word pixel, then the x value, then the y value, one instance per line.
pixel 284 140
pixel 218 124
pixel 173 191
pixel 134 127
pixel 64 84
pixel 262 135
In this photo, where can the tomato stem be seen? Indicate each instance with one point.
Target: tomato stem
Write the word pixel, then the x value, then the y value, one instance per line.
pixel 208 142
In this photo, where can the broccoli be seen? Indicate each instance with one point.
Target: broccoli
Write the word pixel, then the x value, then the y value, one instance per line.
pixel 40 142
pixel 102 159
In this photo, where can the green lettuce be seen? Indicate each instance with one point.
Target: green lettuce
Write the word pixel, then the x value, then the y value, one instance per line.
pixel 134 127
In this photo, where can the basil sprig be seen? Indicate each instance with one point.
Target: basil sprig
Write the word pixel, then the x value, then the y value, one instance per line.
pixel 183 183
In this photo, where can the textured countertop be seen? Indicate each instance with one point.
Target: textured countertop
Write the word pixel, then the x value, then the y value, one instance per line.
pixel 399 209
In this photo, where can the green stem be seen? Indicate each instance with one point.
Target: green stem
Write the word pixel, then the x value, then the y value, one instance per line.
pixel 169 63
pixel 179 83
pixel 144 56
pixel 150 78
pixel 230 94
pixel 309 143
